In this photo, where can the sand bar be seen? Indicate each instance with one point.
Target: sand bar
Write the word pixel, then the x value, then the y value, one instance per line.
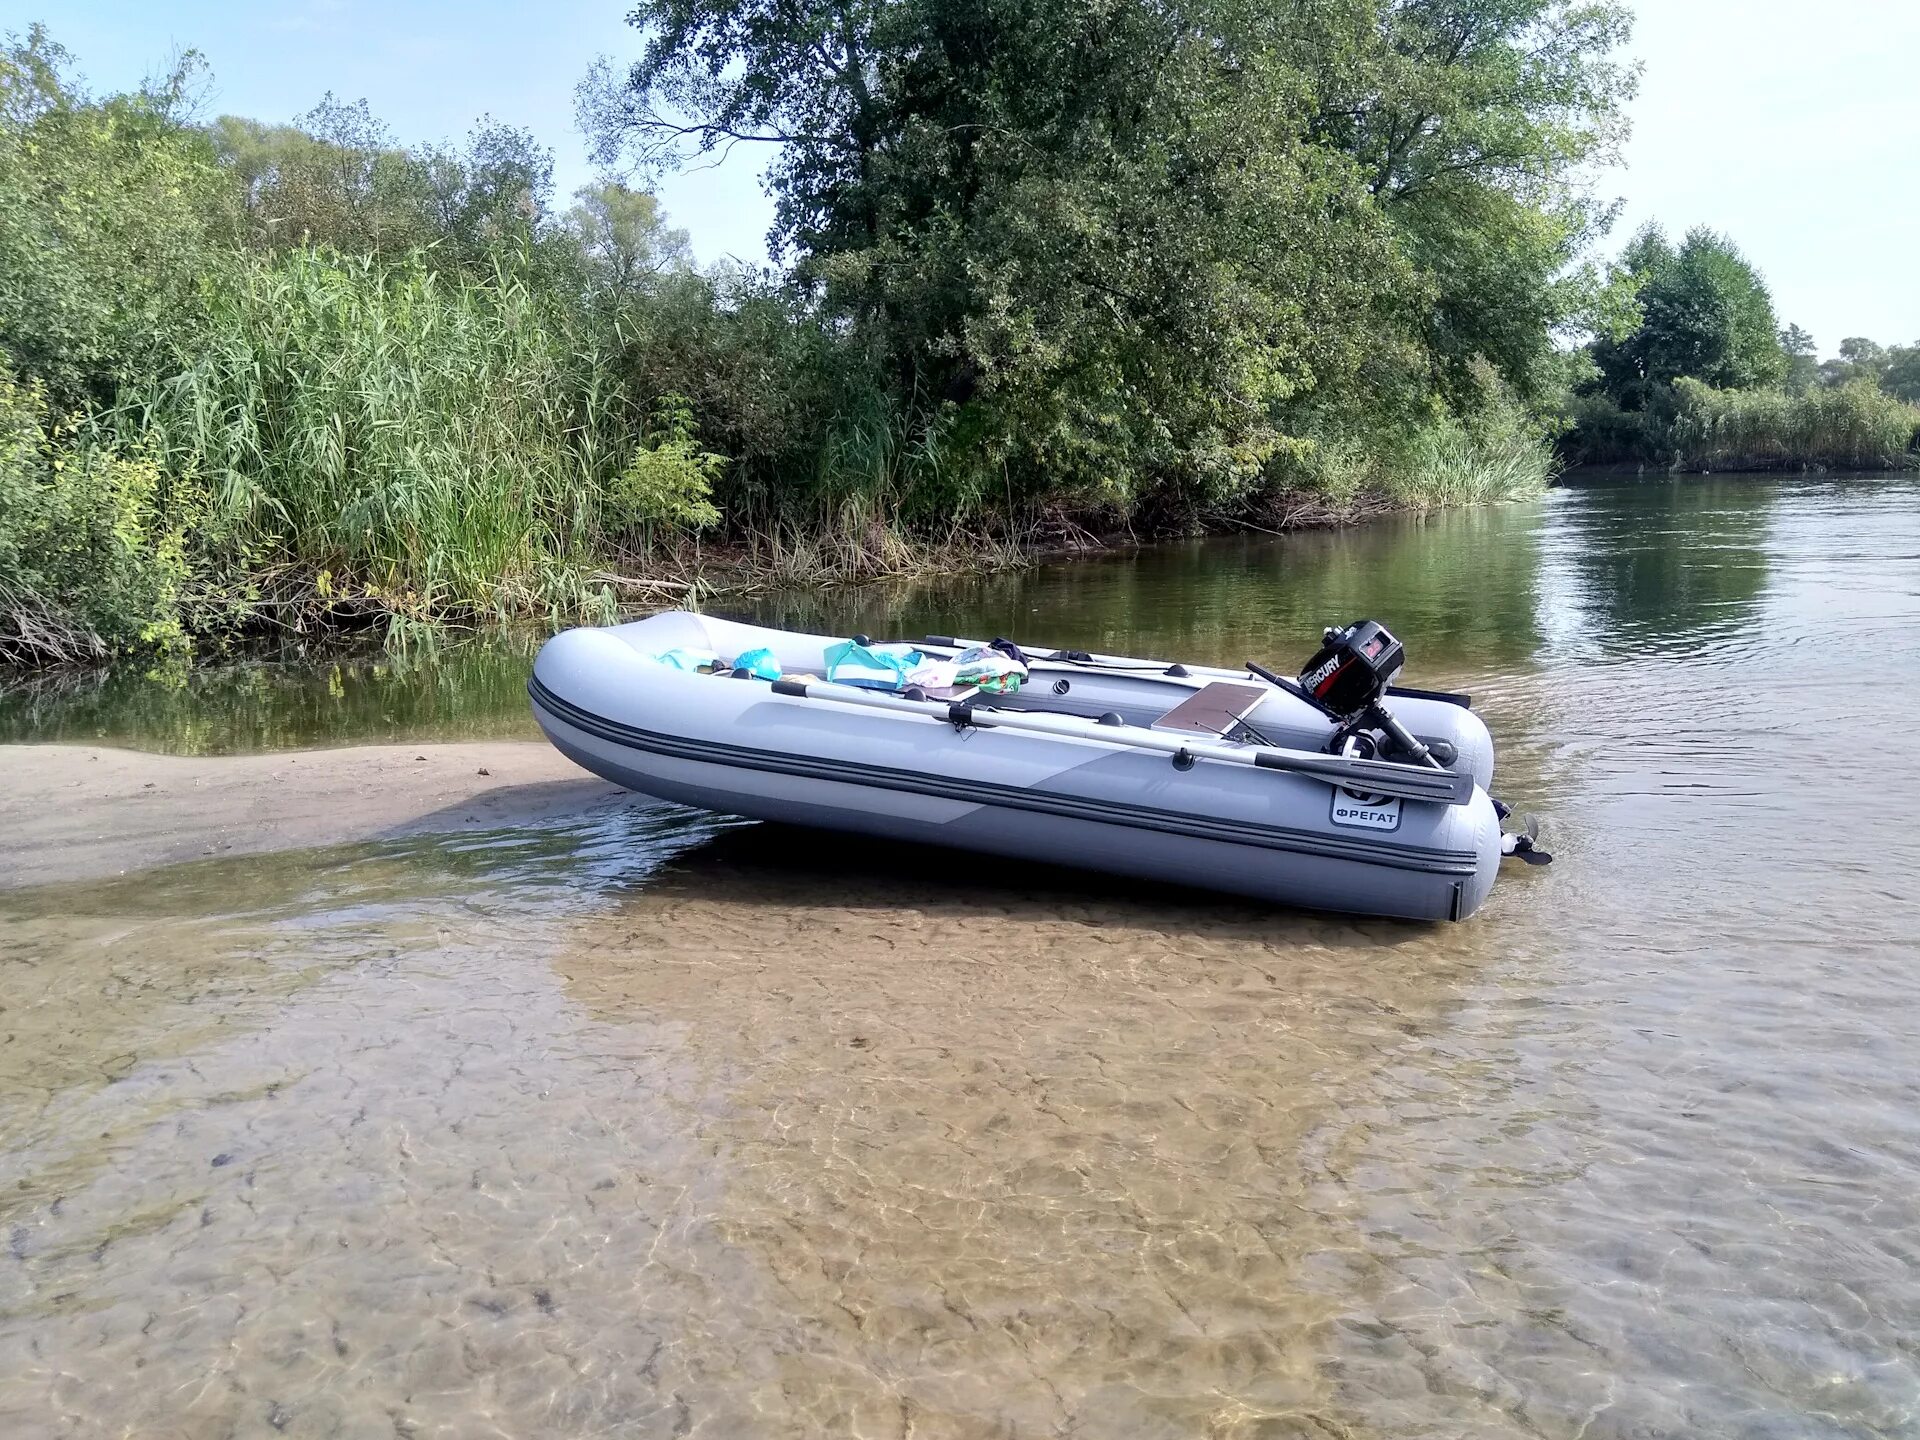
pixel 76 812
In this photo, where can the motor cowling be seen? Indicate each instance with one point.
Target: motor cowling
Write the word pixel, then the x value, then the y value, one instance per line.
pixel 1351 671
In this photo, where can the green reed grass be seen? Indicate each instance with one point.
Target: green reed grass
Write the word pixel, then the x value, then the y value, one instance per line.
pixel 1855 426
pixel 392 439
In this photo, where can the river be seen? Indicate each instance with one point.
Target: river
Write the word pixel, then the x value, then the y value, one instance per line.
pixel 654 1124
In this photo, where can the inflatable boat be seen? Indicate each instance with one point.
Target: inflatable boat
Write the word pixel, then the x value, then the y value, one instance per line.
pixel 1335 789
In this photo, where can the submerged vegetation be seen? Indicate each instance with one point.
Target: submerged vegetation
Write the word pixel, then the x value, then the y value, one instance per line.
pixel 1047 271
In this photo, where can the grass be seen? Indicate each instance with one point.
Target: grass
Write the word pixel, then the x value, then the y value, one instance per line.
pixel 391 442
pixel 1852 427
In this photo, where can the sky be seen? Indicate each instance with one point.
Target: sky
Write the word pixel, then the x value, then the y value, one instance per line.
pixel 1793 127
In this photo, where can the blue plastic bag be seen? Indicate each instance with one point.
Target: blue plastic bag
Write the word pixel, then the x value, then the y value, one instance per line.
pixel 762 664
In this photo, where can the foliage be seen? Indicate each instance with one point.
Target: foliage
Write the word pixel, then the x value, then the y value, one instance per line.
pixel 104 215
pixel 669 482
pixel 1902 376
pixel 1854 426
pixel 1803 366
pixel 624 239
pixel 93 541
pixel 1894 368
pixel 1705 314
pixel 337 177
pixel 383 439
pixel 1117 250
pixel 1152 262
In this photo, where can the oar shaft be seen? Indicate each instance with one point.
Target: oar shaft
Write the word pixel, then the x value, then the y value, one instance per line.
pixel 1378 777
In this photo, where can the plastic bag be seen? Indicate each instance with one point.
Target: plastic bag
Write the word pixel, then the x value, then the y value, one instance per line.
pixel 871 667
pixel 762 664
pixel 992 671
pixel 935 674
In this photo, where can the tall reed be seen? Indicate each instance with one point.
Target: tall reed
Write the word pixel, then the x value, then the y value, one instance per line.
pixel 1855 426
pixel 393 439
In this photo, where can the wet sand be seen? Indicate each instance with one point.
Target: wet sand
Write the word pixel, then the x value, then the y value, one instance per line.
pixel 86 812
pixel 646 1130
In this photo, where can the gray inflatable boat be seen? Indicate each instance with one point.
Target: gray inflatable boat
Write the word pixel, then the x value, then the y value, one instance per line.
pixel 1332 791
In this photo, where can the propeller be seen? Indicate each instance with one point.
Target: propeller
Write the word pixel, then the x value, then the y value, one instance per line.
pixel 1525 845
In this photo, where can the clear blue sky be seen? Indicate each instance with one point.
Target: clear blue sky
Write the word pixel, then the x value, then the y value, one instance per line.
pixel 1794 127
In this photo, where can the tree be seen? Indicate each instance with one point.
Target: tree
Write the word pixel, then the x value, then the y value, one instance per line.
pixel 1803 367
pixel 106 216
pixel 1096 238
pixel 1706 314
pixel 1476 123
pixel 1859 359
pixel 1901 379
pixel 337 177
pixel 624 237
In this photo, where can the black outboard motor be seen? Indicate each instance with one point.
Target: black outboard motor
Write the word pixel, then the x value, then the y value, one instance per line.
pixel 1348 678
pixel 1353 668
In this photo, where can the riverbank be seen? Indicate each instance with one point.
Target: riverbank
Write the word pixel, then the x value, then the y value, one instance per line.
pixel 86 812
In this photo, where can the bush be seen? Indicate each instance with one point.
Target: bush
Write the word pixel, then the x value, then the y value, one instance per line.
pixel 669 483
pixel 93 542
pixel 107 218
pixel 1855 426
pixel 1494 448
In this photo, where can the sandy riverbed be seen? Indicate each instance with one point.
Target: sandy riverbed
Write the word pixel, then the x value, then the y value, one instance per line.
pixel 76 812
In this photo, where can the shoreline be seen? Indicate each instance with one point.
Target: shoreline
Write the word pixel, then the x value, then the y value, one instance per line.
pixel 733 570
pixel 90 812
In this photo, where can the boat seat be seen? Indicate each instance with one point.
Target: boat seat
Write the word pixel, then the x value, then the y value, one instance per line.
pixel 1213 709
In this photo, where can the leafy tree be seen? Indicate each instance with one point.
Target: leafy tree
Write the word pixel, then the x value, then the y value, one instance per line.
pixel 338 177
pixel 624 237
pixel 105 211
pixel 1706 315
pixel 1474 122
pixel 1901 379
pixel 1803 367
pixel 1859 359
pixel 1087 241
pixel 505 187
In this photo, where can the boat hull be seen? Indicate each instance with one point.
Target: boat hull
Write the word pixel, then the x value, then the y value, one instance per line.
pixel 738 747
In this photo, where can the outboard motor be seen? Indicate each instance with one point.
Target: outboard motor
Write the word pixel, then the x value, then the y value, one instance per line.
pixel 1348 678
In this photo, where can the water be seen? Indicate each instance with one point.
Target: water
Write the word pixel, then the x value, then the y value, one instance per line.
pixel 658 1125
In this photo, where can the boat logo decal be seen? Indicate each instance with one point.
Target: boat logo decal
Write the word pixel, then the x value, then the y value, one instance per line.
pixel 1356 811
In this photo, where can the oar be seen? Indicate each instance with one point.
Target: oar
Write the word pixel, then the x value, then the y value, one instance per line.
pixel 1128 665
pixel 1371 777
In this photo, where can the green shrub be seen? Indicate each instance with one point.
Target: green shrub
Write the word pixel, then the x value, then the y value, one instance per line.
pixel 94 556
pixel 1855 426
pixel 1494 448
pixel 669 482
pixel 1598 432
pixel 109 214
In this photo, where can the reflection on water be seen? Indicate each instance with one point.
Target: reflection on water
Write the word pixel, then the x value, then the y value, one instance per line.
pixel 1663 563
pixel 472 687
pixel 658 1125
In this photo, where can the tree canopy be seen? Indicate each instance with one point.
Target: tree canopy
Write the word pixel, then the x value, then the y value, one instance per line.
pixel 1109 239
pixel 1705 314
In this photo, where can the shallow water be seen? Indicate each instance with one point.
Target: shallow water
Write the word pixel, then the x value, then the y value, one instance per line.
pixel 660 1125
